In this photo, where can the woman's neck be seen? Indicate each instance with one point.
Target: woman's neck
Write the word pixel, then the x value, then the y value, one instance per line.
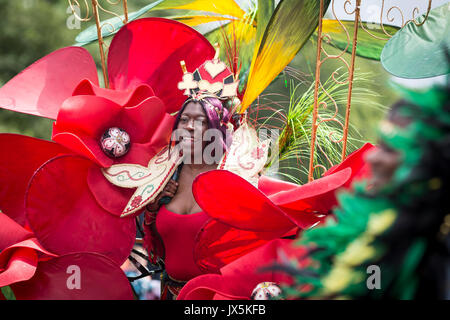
pixel 199 167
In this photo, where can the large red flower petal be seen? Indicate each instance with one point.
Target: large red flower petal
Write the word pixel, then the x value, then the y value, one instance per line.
pixel 110 197
pixel 83 120
pixel 66 218
pixel 141 121
pixel 233 200
pixel 83 145
pixel 245 218
pixel 11 232
pixel 355 161
pixel 100 279
pixel 269 186
pixel 308 204
pixel 18 262
pixel 130 97
pixel 149 51
pixel 21 157
pixel 42 87
pixel 93 110
pixel 238 278
pixel 21 266
pixel 90 115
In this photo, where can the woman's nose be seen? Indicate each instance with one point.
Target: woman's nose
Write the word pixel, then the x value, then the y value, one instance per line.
pixel 190 125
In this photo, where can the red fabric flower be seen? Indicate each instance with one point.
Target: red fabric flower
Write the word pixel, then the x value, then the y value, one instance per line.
pixel 245 217
pixel 57 189
pixel 32 272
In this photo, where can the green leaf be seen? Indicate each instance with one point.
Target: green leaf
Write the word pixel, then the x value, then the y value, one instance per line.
pixel 419 51
pixel 265 11
pixel 289 28
pixel 111 26
pixel 369 45
pixel 223 7
pixel 8 293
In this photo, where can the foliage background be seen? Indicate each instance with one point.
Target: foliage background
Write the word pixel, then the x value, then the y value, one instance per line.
pixel 30 29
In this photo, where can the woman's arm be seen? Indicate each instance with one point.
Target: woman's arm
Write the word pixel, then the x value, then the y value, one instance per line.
pixel 169 191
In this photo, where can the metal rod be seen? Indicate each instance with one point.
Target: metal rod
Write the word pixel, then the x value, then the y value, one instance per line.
pixel 100 41
pixel 350 82
pixel 316 95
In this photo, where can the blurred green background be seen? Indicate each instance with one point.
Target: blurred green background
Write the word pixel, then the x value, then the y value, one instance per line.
pixel 31 29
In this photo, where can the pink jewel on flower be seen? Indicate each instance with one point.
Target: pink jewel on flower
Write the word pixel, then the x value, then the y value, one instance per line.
pixel 115 142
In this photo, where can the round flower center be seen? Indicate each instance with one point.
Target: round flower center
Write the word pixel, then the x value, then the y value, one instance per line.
pixel 115 142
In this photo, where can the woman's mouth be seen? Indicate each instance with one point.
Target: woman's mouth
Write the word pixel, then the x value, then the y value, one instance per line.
pixel 188 139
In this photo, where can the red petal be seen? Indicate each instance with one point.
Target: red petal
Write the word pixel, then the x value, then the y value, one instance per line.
pixel 140 121
pixel 205 287
pixel 110 197
pixel 149 51
pixel 65 216
pixel 93 110
pixel 19 261
pixel 355 161
pixel 130 97
pixel 141 153
pixel 240 277
pixel 31 244
pixel 100 279
pixel 233 200
pixel 23 155
pixel 219 244
pixel 11 232
pixel 90 115
pixel 83 120
pixel 294 198
pixel 270 186
pixel 21 266
pixel 161 136
pixel 83 145
pixel 307 204
pixel 42 87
